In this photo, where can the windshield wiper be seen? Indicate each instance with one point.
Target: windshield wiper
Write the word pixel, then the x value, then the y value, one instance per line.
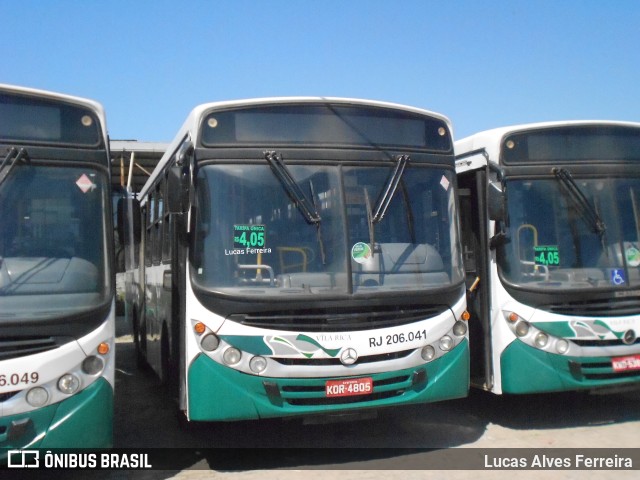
pixel 376 214
pixel 11 160
pixel 282 173
pixel 578 196
pixel 389 189
pixel 367 203
pixel 307 207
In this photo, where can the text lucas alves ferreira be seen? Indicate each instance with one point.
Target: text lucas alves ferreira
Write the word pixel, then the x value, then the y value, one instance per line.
pixel 578 462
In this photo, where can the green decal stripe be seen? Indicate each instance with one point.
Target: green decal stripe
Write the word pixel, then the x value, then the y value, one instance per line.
pixel 615 332
pixel 257 345
pixel 329 351
pixel 248 343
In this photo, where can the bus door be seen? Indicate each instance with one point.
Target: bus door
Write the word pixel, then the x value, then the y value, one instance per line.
pixel 474 226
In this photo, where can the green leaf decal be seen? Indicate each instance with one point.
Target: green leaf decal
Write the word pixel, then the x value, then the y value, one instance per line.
pixel 332 352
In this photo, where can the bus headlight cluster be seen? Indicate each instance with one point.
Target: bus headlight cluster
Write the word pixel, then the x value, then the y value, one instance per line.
pixel 220 351
pixel 535 337
pixel 72 381
pixel 448 341
pixel 67 384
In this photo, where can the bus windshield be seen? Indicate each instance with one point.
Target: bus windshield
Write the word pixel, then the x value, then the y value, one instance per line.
pixel 251 238
pixel 52 241
pixel 557 242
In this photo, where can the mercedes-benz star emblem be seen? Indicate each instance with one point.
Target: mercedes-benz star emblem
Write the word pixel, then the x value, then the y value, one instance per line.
pixel 629 337
pixel 348 356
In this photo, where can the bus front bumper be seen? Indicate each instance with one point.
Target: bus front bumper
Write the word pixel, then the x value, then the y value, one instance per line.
pixel 219 393
pixel 526 369
pixel 84 420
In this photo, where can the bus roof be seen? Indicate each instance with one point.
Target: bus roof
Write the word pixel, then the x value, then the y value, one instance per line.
pixel 96 107
pixel 491 140
pixel 191 124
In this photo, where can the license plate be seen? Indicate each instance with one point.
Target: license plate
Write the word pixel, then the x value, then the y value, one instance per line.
pixel 622 364
pixel 348 387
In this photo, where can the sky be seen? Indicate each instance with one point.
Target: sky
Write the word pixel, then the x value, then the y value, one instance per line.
pixel 483 63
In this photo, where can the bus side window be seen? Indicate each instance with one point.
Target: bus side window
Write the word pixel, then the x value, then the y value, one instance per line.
pixel 157 225
pixel 167 226
pixel 148 238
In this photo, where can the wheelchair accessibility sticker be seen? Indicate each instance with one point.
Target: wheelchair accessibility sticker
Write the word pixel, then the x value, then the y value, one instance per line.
pixel 617 277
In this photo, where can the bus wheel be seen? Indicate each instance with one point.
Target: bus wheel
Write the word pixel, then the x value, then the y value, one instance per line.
pixel 168 364
pixel 141 362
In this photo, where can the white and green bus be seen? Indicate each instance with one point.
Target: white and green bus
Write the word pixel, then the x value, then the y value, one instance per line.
pixel 57 319
pixel 550 218
pixel 300 256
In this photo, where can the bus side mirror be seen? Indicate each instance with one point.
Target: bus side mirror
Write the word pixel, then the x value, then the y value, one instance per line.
pixel 496 203
pixel 179 179
pixel 178 190
pixel 129 221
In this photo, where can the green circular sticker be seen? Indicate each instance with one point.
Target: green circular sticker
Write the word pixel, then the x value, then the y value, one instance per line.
pixel 633 256
pixel 361 252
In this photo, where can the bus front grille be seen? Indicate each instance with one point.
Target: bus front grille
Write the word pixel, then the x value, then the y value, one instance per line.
pixel 6 396
pixel 603 343
pixel 600 371
pixel 314 393
pixel 596 308
pixel 338 319
pixel 321 362
pixel 305 402
pixel 16 347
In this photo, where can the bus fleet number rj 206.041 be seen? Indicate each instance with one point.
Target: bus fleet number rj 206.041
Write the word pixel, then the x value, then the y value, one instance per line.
pixel 392 339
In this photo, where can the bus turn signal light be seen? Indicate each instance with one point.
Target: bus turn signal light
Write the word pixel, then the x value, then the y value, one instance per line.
pixel 103 348
pixel 199 328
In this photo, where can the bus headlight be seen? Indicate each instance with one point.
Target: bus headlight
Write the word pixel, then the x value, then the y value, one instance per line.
pixel 522 328
pixel 92 365
pixel 231 356
pixel 210 342
pixel 37 397
pixel 541 340
pixel 68 383
pixel 562 346
pixel 446 343
pixel 428 353
pixel 460 328
pixel 258 364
